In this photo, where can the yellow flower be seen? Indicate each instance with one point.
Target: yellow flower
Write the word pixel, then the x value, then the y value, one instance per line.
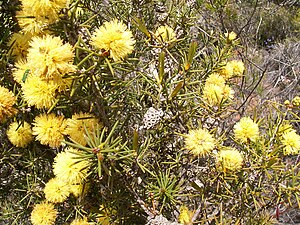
pixel 230 36
pixel 7 100
pixel 69 168
pixel 229 160
pixel 20 135
pixel 30 24
pixel 43 214
pixel 296 101
pixel 49 58
pixel 165 34
pixel 215 94
pixel 82 221
pixel 199 142
pixel 238 67
pixel 49 129
pixel 21 68
pixel 215 79
pixel 38 92
pixel 56 190
pixel 291 142
pixel 79 189
pixel 232 68
pixel 246 130
pixel 77 125
pixel 285 128
pixel 114 38
pixel 185 216
pixel 44 8
pixel 20 44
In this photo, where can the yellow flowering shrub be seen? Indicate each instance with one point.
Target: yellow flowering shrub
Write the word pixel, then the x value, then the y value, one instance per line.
pixel 146 113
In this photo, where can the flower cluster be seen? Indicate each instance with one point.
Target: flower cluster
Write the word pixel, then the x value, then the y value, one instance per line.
pixel 82 221
pixel 165 34
pixel 49 129
pixel 291 142
pixel 229 160
pixel 34 18
pixel 114 38
pixel 232 68
pixel 79 124
pixel 200 142
pixel 69 167
pixel 36 15
pixel 70 172
pixel 20 134
pixel 43 214
pixel 216 91
pixel 7 101
pixel 246 130
pixel 48 62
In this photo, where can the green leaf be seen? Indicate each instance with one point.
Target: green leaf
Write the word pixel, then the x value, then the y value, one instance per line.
pixel 141 26
pixel 192 51
pixel 176 89
pixel 161 67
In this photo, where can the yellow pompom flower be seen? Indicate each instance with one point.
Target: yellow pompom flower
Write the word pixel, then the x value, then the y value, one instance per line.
pixel 246 130
pixel 238 67
pixel 291 142
pixel 49 58
pixel 39 93
pixel 232 68
pixel 79 189
pixel 7 100
pixel 230 36
pixel 296 101
pixel 199 142
pixel 229 160
pixel 20 44
pixel 21 68
pixel 44 8
pixel 113 37
pixel 215 79
pixel 185 216
pixel 56 190
pixel 49 129
pixel 78 123
pixel 165 34
pixel 32 25
pixel 215 94
pixel 82 221
pixel 20 135
pixel 285 128
pixel 43 214
pixel 69 168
